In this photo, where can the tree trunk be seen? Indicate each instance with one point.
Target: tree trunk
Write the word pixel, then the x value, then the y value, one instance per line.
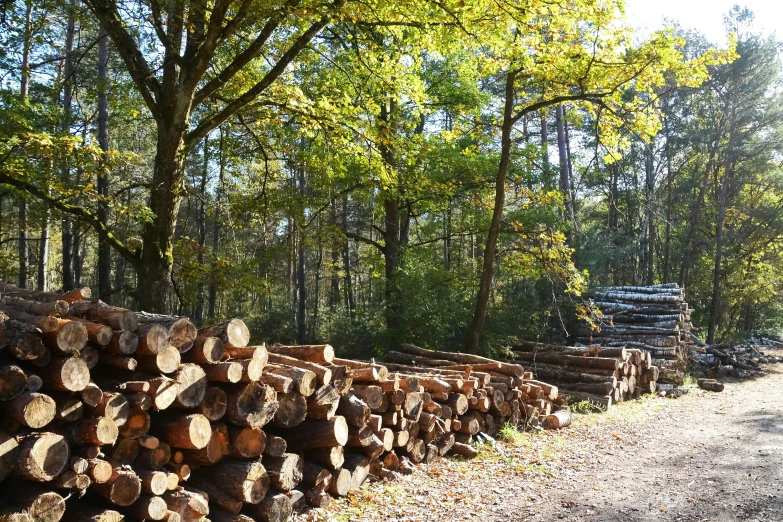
pixel 301 279
pixel 485 285
pixel 349 299
pixel 564 182
pixel 43 253
pixel 544 146
pixel 649 211
pixel 24 261
pixel 216 229
pixel 667 248
pixel 715 305
pixel 198 312
pixel 391 233
pixel 68 81
pixel 104 249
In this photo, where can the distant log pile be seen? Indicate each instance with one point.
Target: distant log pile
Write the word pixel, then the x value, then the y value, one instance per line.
pixel 654 318
pixel 145 417
pixel 603 376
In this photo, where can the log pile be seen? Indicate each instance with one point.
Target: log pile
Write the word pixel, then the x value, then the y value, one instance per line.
pixel 603 376
pixel 653 318
pixel 109 414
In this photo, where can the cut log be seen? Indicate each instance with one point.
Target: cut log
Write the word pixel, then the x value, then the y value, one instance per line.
pixel 184 431
pixel 314 476
pixel 149 508
pixel 182 332
pixel 323 374
pixel 215 403
pixel 248 352
pixel 65 374
pixel 57 308
pixel 217 496
pixel 189 505
pixel 34 410
pixel 252 369
pixel 153 482
pixel 152 339
pixel 314 434
pixel 246 443
pixel 69 337
pixel 291 411
pixel 558 419
pixel 247 481
pixel 276 507
pixel 304 381
pixel 279 383
pixel 233 332
pixel 38 502
pixel 113 406
pixel 341 483
pixel 92 514
pixel 284 472
pixel 122 489
pixel 100 312
pixel 99 470
pixel 464 450
pixel 227 371
pixel 570 360
pixel 252 405
pixel 206 350
pixel 154 458
pixel 354 409
pixel 275 446
pixel 576 396
pixel 97 333
pixel 319 354
pixel 166 361
pixel 191 386
pixel 99 431
pixel 371 395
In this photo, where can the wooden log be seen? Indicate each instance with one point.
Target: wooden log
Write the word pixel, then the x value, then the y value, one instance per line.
pixel 113 406
pixel 65 374
pixel 557 420
pixel 248 352
pixel 153 482
pixel 123 487
pixel 304 380
pixel 214 450
pixel 323 404
pixel 70 296
pixel 215 403
pixel 247 481
pixel 38 502
pixel 100 312
pixel 218 514
pixel 358 437
pixel 189 505
pixel 322 373
pixel 252 405
pixel 191 386
pixel 148 508
pixel 371 395
pixel 98 431
pixel 99 470
pixel 570 360
pixel 319 354
pixel 57 308
pixel 315 434
pixel 710 385
pixel 252 369
pixel 464 450
pixel 233 332
pixel 216 495
pixel 317 498
pixel 68 337
pixel 342 482
pixel 184 431
pixel 576 396
pixel 92 514
pixel 166 361
pixel 355 411
pixel 284 471
pixel 97 333
pixel 332 457
pixel 227 371
pixel 9 454
pixel 154 458
pixel 275 446
pixel 34 410
pixel 280 383
pixel 182 332
pixel 314 476
pixel 458 403
pixel 206 350
pixel 292 410
pixel 276 507
pixel 247 443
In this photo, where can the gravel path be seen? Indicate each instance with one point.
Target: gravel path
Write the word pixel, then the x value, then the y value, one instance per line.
pixel 703 457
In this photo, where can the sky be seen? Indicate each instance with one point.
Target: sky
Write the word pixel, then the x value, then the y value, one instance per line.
pixel 704 15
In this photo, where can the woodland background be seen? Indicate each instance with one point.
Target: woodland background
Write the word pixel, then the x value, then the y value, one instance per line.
pixel 450 174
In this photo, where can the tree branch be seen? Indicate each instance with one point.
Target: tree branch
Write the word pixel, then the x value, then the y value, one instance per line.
pixel 365 240
pixel 138 68
pixel 80 212
pixel 211 123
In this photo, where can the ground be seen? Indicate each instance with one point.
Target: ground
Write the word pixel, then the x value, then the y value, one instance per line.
pixel 704 457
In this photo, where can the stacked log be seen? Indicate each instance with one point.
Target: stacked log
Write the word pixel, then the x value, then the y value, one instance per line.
pixel 603 376
pixel 146 417
pixel 653 318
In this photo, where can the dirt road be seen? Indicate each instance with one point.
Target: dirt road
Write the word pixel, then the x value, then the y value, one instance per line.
pixel 704 457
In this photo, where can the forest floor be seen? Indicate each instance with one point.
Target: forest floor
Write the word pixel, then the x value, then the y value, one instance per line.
pixel 704 457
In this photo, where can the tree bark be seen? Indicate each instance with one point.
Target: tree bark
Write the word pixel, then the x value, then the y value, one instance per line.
pixel 104 248
pixel 348 286
pixel 565 178
pixel 68 81
pixel 485 285
pixel 301 280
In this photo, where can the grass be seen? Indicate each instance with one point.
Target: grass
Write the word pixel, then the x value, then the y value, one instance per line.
pixel 587 407
pixel 511 434
pixel 689 381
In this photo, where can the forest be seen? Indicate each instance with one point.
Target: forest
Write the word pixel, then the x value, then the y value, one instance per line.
pixel 448 173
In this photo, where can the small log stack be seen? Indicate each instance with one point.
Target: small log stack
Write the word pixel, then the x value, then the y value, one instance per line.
pixel 604 376
pixel 653 318
pixel 145 417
